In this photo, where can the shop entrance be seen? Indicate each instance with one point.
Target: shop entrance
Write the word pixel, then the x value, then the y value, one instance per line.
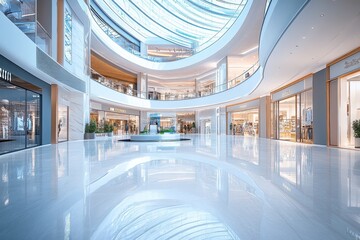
pixel 348 91
pixel 123 123
pixel 294 118
pixel 245 123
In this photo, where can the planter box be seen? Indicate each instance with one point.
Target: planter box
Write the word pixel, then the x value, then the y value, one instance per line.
pixel 357 142
pixel 89 136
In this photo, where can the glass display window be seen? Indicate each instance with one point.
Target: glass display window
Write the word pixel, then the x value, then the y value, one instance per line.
pixel 293 118
pixel 19 118
pixel 245 123
pixel 287 119
pixel 348 107
pixel 123 124
pixel 63 122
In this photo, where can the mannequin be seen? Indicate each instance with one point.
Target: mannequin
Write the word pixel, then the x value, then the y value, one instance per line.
pixel 4 119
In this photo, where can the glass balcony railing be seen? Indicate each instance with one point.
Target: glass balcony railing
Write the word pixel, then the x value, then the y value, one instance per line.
pixel 23 15
pixel 168 96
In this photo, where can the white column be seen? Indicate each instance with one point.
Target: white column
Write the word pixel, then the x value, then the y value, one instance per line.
pixel 221 75
pixel 264 117
pixel 142 85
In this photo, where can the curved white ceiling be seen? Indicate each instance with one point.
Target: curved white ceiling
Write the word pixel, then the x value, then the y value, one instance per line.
pixel 193 24
pixel 242 36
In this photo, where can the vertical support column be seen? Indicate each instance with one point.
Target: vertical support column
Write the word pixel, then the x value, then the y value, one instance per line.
pixel 221 75
pixel 265 117
pixel 197 121
pixel 142 85
pixel 228 121
pixel 196 88
pixel 223 122
pixel 54 112
pixel 320 107
pixel 143 120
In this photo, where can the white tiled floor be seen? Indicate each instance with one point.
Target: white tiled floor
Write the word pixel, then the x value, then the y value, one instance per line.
pixel 211 187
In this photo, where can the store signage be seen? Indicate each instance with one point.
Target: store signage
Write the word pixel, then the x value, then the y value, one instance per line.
pixel 118 110
pixel 5 75
pixel 352 62
pixel 286 93
pixel 349 64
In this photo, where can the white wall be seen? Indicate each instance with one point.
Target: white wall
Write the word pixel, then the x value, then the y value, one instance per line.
pixel 77 108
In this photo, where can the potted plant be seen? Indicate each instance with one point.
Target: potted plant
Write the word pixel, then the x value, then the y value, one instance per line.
pixel 193 128
pixel 108 129
pixel 356 128
pixel 90 129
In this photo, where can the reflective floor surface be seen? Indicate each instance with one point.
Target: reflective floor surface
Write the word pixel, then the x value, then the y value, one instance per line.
pixel 211 187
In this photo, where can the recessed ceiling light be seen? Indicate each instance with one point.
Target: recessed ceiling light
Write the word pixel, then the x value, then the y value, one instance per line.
pixel 321 15
pixel 303 37
pixel 312 27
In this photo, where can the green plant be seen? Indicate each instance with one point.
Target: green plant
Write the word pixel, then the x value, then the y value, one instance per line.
pixel 92 126
pixel 111 127
pixel 356 128
pixel 87 128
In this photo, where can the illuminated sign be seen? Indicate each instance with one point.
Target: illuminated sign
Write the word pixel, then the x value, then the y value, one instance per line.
pixel 5 75
pixel 118 110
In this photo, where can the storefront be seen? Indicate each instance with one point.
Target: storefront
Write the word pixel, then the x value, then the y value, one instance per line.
pixel 124 121
pixel 292 109
pixel 186 122
pixel 181 122
pixel 21 118
pixel 344 104
pixel 243 119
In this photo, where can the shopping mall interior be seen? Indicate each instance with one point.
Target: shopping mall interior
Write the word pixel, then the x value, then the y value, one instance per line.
pixel 239 119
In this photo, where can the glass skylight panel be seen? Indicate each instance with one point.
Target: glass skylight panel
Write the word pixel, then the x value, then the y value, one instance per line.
pixel 194 24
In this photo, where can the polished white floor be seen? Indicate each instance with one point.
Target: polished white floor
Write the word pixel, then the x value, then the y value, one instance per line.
pixel 211 187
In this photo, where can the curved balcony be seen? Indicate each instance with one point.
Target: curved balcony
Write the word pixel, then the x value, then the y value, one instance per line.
pixel 190 94
pixel 225 93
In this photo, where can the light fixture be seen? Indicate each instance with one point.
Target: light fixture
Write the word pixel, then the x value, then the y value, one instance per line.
pixel 249 50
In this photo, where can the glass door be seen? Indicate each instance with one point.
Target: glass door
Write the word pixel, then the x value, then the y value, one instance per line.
pixel 354 106
pixel 33 118
pixel 287 119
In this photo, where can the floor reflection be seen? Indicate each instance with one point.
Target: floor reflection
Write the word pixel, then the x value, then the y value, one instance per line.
pixel 222 187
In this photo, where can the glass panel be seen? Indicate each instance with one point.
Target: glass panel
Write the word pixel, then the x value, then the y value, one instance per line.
pixel 22 14
pixel 68 36
pixel 33 119
pixel 245 123
pixel 287 119
pixel 354 93
pixel 43 40
pixel 12 118
pixel 63 123
pixel 307 116
pixel 192 24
